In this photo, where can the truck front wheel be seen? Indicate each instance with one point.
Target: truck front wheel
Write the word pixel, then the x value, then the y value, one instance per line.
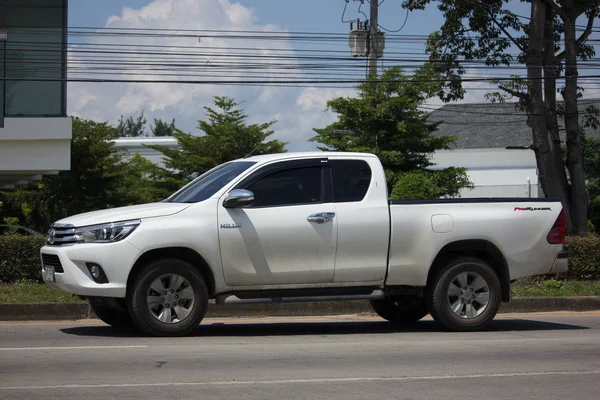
pixel 168 298
pixel 400 309
pixel 465 295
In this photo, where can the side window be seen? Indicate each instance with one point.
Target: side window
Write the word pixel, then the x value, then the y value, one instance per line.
pixel 289 187
pixel 351 180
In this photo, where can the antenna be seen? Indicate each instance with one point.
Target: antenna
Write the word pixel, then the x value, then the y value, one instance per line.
pixel 253 150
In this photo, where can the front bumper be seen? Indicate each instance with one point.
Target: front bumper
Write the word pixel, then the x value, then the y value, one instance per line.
pixel 116 259
pixel 561 264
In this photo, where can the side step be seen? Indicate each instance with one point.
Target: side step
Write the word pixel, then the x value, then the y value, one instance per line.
pixel 266 297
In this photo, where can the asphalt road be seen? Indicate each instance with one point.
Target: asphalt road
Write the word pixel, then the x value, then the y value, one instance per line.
pixel 531 356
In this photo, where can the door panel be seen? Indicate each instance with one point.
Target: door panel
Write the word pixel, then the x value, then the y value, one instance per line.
pixel 362 242
pixel 288 236
pixel 277 246
pixel 363 222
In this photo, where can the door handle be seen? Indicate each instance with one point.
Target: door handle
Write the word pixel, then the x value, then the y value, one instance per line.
pixel 321 218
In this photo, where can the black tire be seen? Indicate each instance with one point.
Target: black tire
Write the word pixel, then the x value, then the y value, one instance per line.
pixel 439 299
pixel 111 311
pixel 138 303
pixel 403 310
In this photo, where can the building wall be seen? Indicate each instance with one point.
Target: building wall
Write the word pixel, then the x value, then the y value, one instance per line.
pixel 33 114
pixel 495 172
pixel 137 146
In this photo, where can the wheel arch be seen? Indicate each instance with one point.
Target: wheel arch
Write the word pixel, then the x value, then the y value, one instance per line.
pixel 181 253
pixel 478 248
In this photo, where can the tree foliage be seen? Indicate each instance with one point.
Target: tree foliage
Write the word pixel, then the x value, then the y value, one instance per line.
pixel 385 119
pixel 591 160
pixel 547 43
pixel 162 128
pixel 227 136
pixel 424 184
pixel 131 127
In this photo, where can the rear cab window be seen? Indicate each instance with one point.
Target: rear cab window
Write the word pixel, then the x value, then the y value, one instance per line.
pixel 351 180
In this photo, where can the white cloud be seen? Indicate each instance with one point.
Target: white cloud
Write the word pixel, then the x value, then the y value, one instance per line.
pixel 184 102
pixel 80 97
pixel 311 99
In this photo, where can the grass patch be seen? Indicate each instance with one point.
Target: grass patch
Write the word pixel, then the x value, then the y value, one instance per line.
pixel 532 287
pixel 32 292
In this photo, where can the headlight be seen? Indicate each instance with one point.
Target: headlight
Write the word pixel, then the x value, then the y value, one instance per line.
pixel 105 233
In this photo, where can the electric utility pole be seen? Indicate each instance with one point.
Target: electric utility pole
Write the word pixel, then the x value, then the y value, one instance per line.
pixel 373 37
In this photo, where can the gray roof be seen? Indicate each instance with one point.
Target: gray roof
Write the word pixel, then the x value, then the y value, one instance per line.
pixel 488 125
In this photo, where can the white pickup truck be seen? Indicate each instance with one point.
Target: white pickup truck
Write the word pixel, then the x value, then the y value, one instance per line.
pixel 302 227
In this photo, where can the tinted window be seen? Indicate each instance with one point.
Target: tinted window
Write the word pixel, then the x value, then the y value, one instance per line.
pixel 2 84
pixel 210 183
pixel 34 50
pixel 351 180
pixel 288 187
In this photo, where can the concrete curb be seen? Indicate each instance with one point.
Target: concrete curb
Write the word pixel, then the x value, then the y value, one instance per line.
pixel 44 311
pixel 75 311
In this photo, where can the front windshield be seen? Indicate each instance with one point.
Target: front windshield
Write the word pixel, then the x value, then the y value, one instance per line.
pixel 208 184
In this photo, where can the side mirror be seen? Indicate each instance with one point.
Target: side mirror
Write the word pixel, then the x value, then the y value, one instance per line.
pixel 238 198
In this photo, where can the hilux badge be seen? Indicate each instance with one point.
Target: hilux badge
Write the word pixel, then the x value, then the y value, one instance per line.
pixel 229 226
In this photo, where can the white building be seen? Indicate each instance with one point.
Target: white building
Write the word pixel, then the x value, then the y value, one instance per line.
pixel 494 144
pixel 494 172
pixel 137 145
pixel 35 132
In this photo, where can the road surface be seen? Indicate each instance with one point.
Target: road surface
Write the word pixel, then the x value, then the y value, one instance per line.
pixel 522 356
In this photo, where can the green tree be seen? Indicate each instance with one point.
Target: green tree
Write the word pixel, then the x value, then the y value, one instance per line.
pixel 591 162
pixel 140 182
pixel 131 127
pixel 385 119
pixel 227 136
pixel 547 43
pixel 161 128
pixel 95 174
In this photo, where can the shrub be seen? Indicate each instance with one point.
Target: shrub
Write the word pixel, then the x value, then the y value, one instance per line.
pixel 584 257
pixel 20 258
pixel 554 284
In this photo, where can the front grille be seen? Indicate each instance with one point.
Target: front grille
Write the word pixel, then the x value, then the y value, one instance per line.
pixel 59 236
pixel 52 260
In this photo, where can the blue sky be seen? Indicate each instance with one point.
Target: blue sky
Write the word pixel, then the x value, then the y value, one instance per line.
pixel 294 15
pixel 297 110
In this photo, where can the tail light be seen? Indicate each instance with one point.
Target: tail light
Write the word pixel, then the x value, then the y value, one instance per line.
pixel 558 231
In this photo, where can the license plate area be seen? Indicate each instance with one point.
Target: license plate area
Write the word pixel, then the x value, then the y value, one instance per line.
pixel 49 274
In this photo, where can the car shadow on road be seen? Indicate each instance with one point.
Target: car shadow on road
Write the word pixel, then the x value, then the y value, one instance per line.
pixel 323 328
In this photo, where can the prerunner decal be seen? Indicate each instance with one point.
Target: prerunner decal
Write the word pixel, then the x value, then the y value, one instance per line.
pixel 532 209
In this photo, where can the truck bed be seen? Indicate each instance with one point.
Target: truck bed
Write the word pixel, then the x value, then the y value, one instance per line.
pixel 515 227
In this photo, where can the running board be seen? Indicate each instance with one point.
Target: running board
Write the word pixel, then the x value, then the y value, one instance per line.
pixel 232 298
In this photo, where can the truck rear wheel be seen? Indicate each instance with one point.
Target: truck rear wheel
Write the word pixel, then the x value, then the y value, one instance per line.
pixel 111 311
pixel 465 295
pixel 168 298
pixel 400 309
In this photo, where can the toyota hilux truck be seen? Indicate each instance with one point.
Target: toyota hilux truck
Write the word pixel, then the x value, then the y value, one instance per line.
pixel 296 227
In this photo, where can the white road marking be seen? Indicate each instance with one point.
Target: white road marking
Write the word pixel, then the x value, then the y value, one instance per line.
pixel 70 348
pixel 317 380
